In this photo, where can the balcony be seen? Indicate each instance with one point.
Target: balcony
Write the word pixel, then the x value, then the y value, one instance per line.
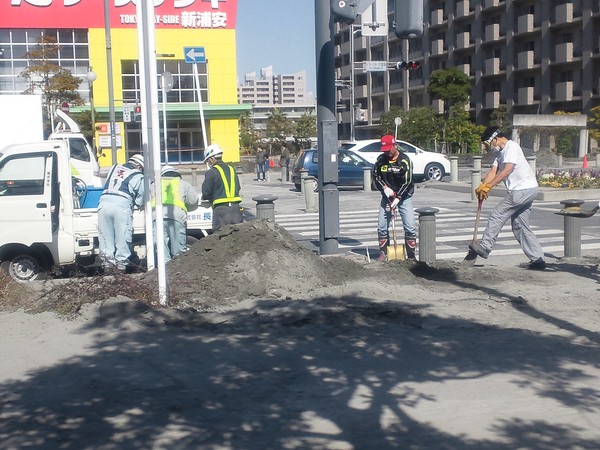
pixel 361 91
pixel 437 47
pixel 563 92
pixel 525 23
pixel 437 17
pixel 564 52
pixel 525 60
pixel 491 3
pixel 564 13
pixel 462 8
pixel 492 66
pixel 492 32
pixel 525 95
pixel 492 100
pixel 463 40
pixel 438 106
pixel 465 68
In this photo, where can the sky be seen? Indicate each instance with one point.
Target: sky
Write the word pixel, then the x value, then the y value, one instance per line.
pixel 278 33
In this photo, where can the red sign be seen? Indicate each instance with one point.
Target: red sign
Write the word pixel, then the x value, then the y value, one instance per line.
pixel 169 14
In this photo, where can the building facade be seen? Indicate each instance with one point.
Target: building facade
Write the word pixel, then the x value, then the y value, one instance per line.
pixel 79 28
pixel 534 56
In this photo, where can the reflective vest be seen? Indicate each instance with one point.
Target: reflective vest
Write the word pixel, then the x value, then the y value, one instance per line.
pixel 117 182
pixel 171 194
pixel 229 189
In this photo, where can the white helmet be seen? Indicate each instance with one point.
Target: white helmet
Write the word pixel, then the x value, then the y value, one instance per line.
pixel 169 171
pixel 212 151
pixel 137 160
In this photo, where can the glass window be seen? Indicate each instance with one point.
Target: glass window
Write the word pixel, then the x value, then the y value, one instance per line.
pixel 23 176
pixel 65 36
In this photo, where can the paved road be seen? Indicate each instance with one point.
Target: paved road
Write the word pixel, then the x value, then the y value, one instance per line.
pixel 454 222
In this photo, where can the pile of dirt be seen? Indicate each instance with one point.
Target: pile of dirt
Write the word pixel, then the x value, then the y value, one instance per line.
pixel 251 259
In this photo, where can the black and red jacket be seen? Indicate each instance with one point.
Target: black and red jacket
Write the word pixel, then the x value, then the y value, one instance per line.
pixel 397 175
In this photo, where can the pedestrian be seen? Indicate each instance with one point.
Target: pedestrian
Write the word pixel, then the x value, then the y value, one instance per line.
pixel 178 198
pixel 510 167
pixel 260 164
pixel 284 162
pixel 393 177
pixel 123 191
pixel 221 187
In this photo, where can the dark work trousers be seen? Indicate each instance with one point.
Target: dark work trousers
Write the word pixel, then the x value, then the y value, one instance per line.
pixel 226 214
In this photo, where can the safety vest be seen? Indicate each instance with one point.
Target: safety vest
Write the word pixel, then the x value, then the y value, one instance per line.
pixel 117 182
pixel 229 189
pixel 171 194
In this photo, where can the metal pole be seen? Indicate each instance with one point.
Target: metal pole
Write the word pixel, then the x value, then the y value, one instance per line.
pixel 164 111
pixel 111 93
pixel 405 76
pixel 329 196
pixel 200 107
pixel 352 114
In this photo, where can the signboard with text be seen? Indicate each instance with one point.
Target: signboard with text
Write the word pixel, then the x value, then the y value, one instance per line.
pixel 169 14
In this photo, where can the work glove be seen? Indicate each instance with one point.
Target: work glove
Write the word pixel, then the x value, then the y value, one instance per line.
pixel 395 203
pixel 389 193
pixel 482 191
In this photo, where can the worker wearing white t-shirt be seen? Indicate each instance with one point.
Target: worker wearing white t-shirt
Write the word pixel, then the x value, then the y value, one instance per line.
pixel 510 167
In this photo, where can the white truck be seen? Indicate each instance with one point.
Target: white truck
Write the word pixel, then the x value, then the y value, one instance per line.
pixel 42 227
pixel 21 121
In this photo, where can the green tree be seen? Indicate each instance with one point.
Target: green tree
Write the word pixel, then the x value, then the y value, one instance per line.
pixel 450 85
pixel 419 126
pixel 462 135
pixel 279 126
pixel 499 118
pixel 594 123
pixel 45 77
pixel 249 136
pixel 305 128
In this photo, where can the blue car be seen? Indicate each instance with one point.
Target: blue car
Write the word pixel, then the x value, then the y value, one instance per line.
pixel 350 167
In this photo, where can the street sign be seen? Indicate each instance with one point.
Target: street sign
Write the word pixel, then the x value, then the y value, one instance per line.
pixel 127 107
pixel 64 107
pixel 375 66
pixel 194 55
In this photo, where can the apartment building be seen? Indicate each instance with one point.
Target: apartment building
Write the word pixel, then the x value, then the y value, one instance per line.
pixel 534 56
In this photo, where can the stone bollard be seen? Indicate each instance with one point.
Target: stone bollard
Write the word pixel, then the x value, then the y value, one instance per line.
pixel 598 159
pixel 283 173
pixel 454 169
pixel 194 176
pixel 572 225
pixel 560 161
pixel 303 175
pixel 427 234
pixel 475 182
pixel 367 178
pixel 265 207
pixel 531 161
pixel 477 162
pixel 309 194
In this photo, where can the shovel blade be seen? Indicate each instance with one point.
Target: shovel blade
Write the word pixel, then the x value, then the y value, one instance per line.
pixel 396 252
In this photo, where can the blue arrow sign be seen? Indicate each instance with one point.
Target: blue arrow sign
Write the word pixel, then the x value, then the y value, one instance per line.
pixel 194 55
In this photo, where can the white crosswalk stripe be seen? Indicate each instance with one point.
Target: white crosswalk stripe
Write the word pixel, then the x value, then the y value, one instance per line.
pixel 454 232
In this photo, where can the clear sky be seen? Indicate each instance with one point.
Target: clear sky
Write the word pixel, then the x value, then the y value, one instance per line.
pixel 278 33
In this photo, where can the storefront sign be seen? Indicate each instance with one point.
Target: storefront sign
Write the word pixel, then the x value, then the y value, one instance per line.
pixel 171 14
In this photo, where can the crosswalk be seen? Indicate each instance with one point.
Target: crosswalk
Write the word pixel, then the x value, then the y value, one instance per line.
pixel 454 232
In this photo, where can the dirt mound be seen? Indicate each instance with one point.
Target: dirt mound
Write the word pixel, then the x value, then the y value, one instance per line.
pixel 251 259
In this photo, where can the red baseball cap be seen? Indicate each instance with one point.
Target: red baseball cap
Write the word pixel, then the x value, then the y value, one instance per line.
pixel 387 142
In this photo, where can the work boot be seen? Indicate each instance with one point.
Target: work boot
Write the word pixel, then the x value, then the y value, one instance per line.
pixel 477 248
pixel 538 264
pixel 383 245
pixel 410 243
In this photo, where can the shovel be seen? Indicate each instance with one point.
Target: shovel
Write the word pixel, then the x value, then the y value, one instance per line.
pixel 472 256
pixel 395 252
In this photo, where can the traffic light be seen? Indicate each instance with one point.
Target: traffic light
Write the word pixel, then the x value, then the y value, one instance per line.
pixel 408 18
pixel 407 65
pixel 137 114
pixel 347 10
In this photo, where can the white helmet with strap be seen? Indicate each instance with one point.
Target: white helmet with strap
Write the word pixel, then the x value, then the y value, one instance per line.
pixel 169 171
pixel 138 160
pixel 212 151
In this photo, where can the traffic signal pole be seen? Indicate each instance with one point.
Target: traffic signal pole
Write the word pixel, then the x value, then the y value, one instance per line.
pixel 329 201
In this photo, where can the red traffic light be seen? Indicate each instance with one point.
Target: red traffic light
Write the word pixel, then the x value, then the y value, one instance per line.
pixel 137 109
pixel 407 65
pixel 414 64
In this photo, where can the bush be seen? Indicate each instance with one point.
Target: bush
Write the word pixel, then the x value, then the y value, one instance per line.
pixel 569 179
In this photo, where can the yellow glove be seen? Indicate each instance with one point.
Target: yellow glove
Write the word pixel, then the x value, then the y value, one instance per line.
pixel 482 191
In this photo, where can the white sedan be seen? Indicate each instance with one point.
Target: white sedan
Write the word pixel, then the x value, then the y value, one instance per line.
pixel 426 165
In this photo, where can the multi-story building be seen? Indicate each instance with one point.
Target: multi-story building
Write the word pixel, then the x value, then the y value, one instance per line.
pixel 79 27
pixel 534 56
pixel 267 92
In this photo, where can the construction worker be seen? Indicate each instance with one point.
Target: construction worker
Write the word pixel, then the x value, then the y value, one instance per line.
pixel 510 167
pixel 221 187
pixel 393 176
pixel 123 190
pixel 178 197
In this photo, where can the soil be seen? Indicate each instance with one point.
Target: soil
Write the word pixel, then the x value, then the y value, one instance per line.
pixel 266 345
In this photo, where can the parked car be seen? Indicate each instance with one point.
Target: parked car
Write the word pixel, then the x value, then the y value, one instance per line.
pixel 350 167
pixel 426 165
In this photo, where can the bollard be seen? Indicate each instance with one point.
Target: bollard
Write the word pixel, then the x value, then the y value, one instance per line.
pixel 531 161
pixel 367 178
pixel 475 182
pixel 477 162
pixel 560 162
pixel 427 234
pixel 303 175
pixel 265 207
pixel 309 194
pixel 454 169
pixel 597 159
pixel 194 176
pixel 572 244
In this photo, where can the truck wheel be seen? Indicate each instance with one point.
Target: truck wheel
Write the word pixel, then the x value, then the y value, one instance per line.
pixel 23 268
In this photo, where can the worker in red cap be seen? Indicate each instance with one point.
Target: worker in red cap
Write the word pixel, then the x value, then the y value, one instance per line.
pixel 393 176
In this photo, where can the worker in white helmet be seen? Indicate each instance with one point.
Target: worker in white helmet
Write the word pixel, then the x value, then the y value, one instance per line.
pixel 221 187
pixel 178 197
pixel 123 190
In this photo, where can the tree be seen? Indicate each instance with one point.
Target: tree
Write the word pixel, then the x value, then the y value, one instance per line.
pixel 419 126
pixel 594 123
pixel 279 126
pixel 45 77
pixel 306 128
pixel 499 118
pixel 248 135
pixel 462 134
pixel 451 85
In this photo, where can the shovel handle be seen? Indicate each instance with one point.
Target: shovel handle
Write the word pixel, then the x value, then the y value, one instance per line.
pixel 479 204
